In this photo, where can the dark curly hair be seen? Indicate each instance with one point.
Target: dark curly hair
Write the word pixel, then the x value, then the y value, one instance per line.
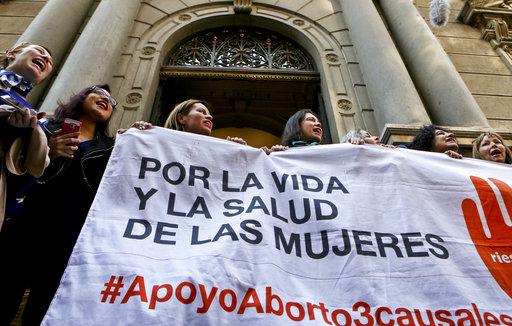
pixel 292 130
pixel 424 139
pixel 73 109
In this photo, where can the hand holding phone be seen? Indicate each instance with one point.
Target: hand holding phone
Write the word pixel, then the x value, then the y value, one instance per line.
pixel 65 140
pixel 70 125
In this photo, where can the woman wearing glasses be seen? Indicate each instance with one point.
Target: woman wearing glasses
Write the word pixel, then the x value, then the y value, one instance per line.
pixel 66 190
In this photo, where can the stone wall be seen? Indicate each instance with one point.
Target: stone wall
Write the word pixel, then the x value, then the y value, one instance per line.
pixel 486 75
pixel 15 16
pixel 317 25
pixel 483 71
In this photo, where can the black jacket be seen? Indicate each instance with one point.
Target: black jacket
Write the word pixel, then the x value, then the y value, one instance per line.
pixel 58 205
pixel 53 214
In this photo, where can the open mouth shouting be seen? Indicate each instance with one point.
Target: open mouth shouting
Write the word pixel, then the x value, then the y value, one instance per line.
pixel 208 123
pixel 102 104
pixel 317 130
pixel 496 153
pixel 40 64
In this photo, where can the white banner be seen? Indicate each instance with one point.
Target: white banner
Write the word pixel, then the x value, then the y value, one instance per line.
pixel 188 229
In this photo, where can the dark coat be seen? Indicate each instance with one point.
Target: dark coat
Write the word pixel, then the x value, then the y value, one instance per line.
pixel 66 191
pixel 55 212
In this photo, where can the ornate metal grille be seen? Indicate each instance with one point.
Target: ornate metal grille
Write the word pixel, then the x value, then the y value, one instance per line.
pixel 240 48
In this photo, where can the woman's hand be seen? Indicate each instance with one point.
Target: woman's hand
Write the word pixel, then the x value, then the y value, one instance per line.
pixel 141 125
pixel 63 145
pixel 21 118
pixel 237 140
pixel 356 141
pixel 388 146
pixel 275 148
pixel 453 154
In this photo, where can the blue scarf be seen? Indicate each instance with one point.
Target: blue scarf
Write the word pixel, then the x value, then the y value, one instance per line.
pixel 12 86
pixel 9 79
pixel 300 143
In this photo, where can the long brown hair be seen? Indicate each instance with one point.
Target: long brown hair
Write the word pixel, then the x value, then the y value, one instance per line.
pixel 73 108
pixel 292 130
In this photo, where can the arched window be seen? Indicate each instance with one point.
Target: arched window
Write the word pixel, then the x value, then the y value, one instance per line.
pixel 254 78
pixel 237 47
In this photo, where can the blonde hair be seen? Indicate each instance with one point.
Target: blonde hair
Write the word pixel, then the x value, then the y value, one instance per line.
pixel 182 108
pixel 478 141
pixel 4 59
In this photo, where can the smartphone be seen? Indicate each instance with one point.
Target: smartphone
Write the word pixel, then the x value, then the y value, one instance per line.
pixel 70 125
pixel 15 105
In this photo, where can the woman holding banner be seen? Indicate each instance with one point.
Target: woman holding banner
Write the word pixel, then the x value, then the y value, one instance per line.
pixel 432 138
pixel 302 129
pixel 80 147
pixel 360 137
pixel 194 116
pixel 490 146
pixel 191 116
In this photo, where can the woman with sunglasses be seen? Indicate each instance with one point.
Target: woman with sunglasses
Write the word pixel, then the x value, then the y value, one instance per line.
pixel 65 191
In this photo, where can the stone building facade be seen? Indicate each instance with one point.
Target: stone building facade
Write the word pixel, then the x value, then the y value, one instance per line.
pixel 377 65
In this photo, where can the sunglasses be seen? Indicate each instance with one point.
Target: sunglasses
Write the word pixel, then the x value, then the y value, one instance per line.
pixel 104 93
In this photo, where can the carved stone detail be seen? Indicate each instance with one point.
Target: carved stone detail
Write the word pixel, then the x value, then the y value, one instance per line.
pixel 500 37
pixel 239 74
pixel 299 22
pixel 242 6
pixel 133 98
pixel 478 13
pixel 507 4
pixel 185 17
pixel 344 105
pixel 493 18
pixel 233 47
pixel 148 50
pixel 331 57
pixel 497 29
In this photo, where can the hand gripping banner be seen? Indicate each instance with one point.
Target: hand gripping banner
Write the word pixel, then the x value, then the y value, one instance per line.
pixel 188 229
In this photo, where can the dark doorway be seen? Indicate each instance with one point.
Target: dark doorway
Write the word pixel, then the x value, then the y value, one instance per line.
pixel 264 105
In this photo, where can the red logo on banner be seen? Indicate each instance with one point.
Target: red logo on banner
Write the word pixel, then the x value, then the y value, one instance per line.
pixel 494 244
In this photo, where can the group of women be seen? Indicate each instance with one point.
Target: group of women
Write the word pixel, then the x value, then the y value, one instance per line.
pixel 304 128
pixel 489 146
pixel 45 211
pixel 46 196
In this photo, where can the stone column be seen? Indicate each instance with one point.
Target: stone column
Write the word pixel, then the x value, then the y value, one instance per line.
pixel 390 88
pixel 448 99
pixel 96 52
pixel 55 27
